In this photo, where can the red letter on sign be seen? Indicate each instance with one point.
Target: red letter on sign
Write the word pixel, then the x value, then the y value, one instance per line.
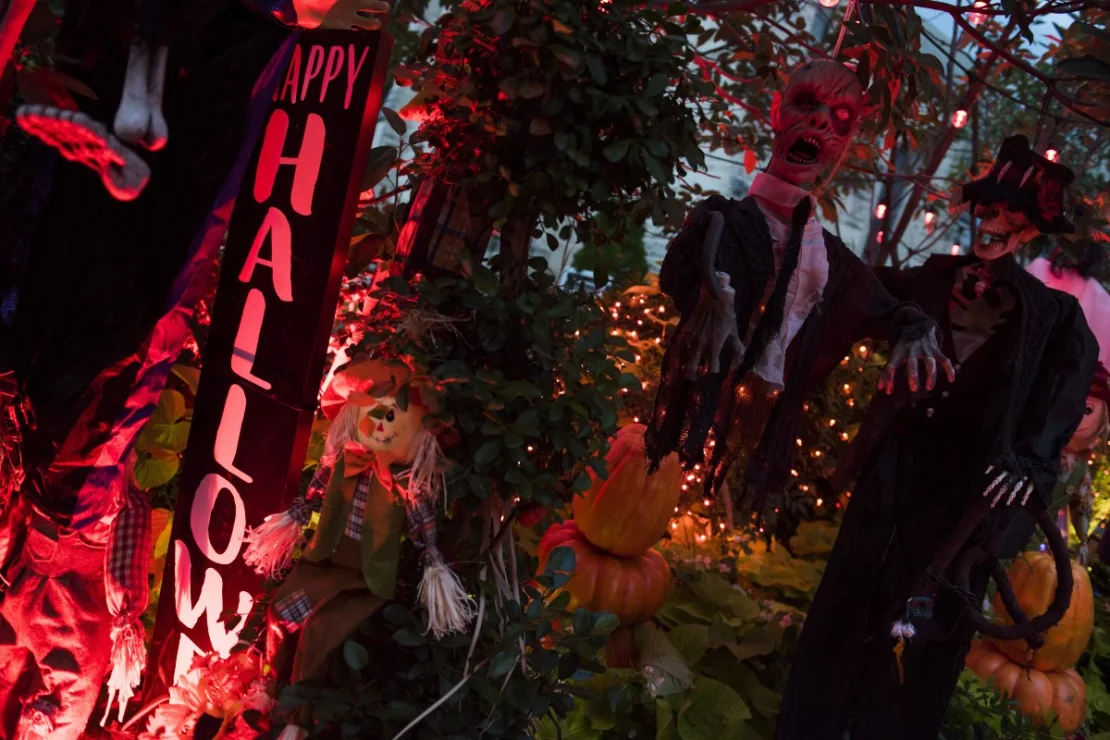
pixel 281 250
pixel 307 161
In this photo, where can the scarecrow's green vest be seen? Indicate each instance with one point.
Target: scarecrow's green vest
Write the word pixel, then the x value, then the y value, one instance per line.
pixel 381 529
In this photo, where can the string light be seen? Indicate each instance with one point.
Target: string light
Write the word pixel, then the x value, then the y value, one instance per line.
pixel 879 237
pixel 820 502
pixel 976 18
pixel 956 249
pixel 880 211
pixel 829 3
pixel 930 222
pixel 1051 155
pixel 959 118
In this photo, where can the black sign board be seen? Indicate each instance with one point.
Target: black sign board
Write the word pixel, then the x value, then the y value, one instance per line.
pixel 286 248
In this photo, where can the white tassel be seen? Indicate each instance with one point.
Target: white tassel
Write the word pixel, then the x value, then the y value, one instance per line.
pixel 128 659
pixel 446 602
pixel 270 545
pixel 902 630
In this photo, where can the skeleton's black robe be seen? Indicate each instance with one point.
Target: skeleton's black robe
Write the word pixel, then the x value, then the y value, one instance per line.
pixel 1015 403
pixel 853 306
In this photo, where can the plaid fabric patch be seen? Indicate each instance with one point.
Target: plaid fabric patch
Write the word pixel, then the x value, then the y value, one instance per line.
pixel 439 217
pixel 420 519
pixel 358 507
pixel 313 500
pixel 129 547
pixel 294 609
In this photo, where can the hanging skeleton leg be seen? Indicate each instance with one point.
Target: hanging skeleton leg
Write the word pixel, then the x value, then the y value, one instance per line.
pixel 13 16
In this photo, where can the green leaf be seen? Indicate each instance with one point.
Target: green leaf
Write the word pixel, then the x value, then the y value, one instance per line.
pixel 605 623
pixel 656 169
pixel 539 127
pixel 503 662
pixel 692 640
pixel 382 159
pixel 664 660
pixel 656 85
pixel 1085 67
pixel 712 711
pixel 395 121
pixel 616 151
pixel 355 655
pixel 531 90
pixel 597 69
pixel 156 468
pixel 487 453
pixel 408 638
pixel 190 376
pixel 503 21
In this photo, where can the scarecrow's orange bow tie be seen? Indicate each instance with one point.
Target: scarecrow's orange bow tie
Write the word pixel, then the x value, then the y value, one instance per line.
pixel 357 458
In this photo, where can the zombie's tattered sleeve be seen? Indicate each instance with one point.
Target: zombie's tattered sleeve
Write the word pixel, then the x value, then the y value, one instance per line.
pixel 1058 399
pixel 861 307
pixel 680 275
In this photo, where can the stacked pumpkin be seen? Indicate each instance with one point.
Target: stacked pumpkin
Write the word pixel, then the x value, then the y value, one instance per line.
pixel 614 527
pixel 1046 682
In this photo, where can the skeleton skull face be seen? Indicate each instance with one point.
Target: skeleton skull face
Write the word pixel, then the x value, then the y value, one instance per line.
pixel 1002 231
pixel 814 120
pixel 389 431
pixel 1091 428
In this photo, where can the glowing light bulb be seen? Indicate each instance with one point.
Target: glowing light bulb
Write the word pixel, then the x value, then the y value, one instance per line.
pixel 880 210
pixel 959 118
pixel 976 18
pixel 829 3
pixel 820 501
pixel 1052 155
pixel 879 237
pixel 930 218
pixel 956 249
pixel 706 502
pixel 635 420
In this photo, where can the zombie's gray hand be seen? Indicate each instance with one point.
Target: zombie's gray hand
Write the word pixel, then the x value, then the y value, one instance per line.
pixel 1007 485
pixel 909 353
pixel 712 326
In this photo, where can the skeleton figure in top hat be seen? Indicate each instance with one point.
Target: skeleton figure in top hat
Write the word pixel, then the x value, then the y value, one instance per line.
pixel 771 302
pixel 978 458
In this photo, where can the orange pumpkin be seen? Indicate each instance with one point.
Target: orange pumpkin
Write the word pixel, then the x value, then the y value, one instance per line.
pixel 628 512
pixel 1038 693
pixel 633 588
pixel 1033 575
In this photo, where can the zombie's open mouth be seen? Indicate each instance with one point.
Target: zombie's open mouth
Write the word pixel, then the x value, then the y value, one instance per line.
pixel 804 150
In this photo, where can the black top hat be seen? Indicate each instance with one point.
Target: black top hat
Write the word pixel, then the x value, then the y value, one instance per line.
pixel 1026 182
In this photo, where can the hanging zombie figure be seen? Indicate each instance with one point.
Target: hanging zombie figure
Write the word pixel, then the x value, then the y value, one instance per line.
pixel 70 618
pixel 771 302
pixel 949 484
pixel 381 477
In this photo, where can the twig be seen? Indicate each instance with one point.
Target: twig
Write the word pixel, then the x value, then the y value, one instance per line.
pixel 420 718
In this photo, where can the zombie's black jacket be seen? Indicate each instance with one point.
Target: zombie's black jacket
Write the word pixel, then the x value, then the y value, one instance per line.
pixel 854 305
pixel 1015 403
pixel 1040 364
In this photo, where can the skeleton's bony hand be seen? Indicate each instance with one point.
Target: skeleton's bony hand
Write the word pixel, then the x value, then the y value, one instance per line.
pixel 342 15
pixel 909 353
pixel 1007 485
pixel 712 326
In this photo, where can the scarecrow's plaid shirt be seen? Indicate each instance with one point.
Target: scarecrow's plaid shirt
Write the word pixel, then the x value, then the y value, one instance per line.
pixel 129 548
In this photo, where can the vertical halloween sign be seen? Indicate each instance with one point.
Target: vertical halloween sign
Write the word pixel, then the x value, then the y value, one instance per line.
pixel 286 248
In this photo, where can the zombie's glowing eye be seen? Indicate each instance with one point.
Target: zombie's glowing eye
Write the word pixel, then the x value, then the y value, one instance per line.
pixel 843 114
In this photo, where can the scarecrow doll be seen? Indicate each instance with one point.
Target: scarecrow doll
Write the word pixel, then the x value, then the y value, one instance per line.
pixel 1074 487
pixel 771 302
pixel 70 616
pixel 378 484
pixel 949 484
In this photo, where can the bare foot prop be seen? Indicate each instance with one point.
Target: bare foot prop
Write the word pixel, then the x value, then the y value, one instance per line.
pixel 79 138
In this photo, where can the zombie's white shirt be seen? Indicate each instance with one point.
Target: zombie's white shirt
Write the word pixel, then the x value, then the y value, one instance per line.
pixel 806 285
